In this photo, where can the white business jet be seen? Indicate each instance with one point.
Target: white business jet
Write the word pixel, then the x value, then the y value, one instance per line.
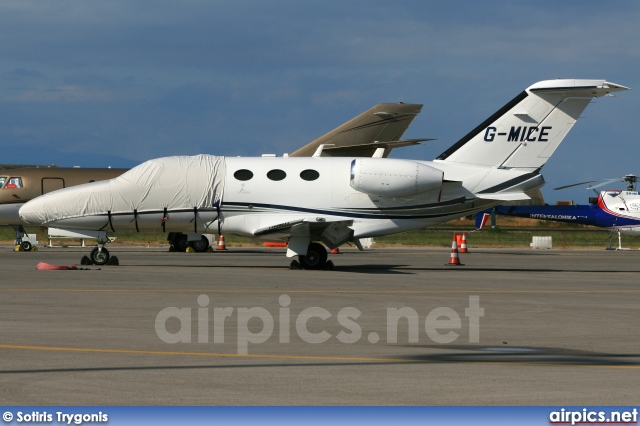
pixel 333 200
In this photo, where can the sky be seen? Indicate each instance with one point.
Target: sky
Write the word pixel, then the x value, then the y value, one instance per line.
pixel 115 83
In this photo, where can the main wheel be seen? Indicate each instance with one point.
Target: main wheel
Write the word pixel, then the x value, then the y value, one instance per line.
pixel 26 246
pixel 201 245
pixel 180 242
pixel 99 257
pixel 316 257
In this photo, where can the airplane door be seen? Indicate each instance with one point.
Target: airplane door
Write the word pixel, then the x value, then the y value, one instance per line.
pixel 52 184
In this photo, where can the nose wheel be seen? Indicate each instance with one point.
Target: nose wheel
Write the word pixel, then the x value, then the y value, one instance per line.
pixel 99 255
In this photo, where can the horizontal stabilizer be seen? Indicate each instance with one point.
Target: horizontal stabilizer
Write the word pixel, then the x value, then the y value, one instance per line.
pixel 367 149
pixel 378 144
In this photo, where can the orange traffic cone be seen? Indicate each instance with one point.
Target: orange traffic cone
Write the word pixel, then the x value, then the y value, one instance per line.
pixel 454 260
pixel 458 241
pixel 221 245
pixel 463 246
pixel 335 251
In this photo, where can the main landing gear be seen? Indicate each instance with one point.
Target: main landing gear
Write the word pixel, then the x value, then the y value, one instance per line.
pixel 316 258
pixel 180 242
pixel 22 238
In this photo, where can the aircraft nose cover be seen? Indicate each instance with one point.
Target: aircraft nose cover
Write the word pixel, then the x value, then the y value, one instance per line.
pixel 173 183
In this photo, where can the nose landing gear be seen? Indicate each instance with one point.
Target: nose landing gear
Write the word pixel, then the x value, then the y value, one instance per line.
pixel 99 255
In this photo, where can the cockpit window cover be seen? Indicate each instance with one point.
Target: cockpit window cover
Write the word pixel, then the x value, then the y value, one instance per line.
pixel 14 182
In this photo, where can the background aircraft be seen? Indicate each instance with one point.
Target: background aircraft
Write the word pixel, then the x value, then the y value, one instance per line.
pixel 614 210
pixel 380 127
pixel 18 166
pixel 329 199
pixel 19 185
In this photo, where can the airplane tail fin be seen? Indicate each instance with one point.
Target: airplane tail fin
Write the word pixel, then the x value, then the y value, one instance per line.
pixel 526 131
pixel 481 219
pixel 382 123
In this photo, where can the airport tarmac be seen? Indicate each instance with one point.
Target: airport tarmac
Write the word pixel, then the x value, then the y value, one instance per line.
pixel 555 327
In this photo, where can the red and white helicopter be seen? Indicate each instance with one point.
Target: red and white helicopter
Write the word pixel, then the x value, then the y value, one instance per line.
pixel 615 210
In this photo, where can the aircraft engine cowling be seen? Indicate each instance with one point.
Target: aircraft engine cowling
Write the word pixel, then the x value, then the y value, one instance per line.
pixel 393 178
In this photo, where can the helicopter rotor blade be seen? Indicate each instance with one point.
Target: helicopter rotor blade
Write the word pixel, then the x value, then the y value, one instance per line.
pixel 631 179
pixel 605 182
pixel 574 184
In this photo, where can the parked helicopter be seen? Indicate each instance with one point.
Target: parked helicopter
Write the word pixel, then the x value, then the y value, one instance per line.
pixel 615 210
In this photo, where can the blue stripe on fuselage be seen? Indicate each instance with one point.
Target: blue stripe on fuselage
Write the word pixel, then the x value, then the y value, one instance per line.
pixel 582 214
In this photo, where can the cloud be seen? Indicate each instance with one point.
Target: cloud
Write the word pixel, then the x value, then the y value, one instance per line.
pixel 159 77
pixel 59 94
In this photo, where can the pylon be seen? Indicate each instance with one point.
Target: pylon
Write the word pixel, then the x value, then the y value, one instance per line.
pixel 454 260
pixel 335 251
pixel 463 246
pixel 221 245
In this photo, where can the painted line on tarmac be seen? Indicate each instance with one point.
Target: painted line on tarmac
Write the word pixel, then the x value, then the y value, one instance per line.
pixel 328 291
pixel 209 354
pixel 398 360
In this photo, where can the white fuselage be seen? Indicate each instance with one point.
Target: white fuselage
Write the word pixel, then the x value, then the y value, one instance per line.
pixel 261 202
pixel 280 191
pixel 332 199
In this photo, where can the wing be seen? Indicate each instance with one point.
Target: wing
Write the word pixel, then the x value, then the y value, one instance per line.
pixel 300 232
pixel 383 122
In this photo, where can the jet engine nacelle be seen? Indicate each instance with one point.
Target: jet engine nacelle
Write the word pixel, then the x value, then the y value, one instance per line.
pixel 393 178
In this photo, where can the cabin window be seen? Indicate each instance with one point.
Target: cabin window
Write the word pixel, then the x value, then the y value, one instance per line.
pixel 309 174
pixel 276 174
pixel 2 179
pixel 243 174
pixel 14 182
